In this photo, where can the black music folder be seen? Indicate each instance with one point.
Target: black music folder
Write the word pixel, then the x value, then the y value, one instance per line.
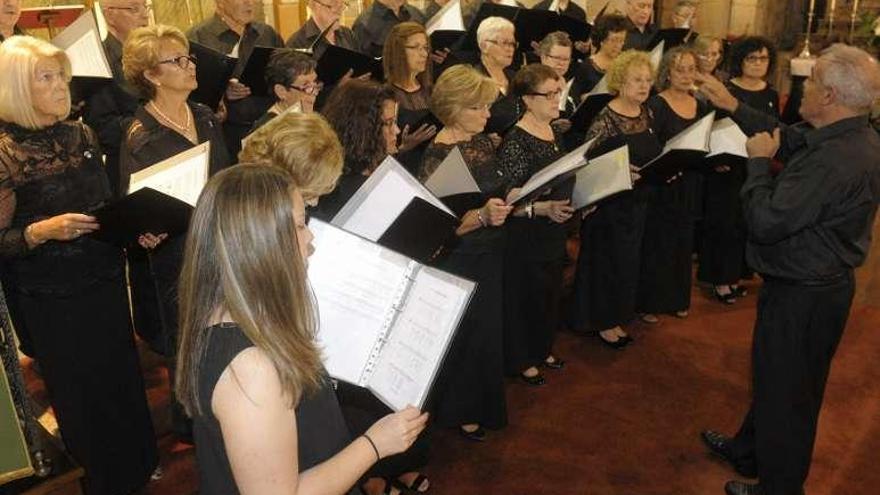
pixel 254 73
pixel 386 320
pixel 553 174
pixel 672 37
pixel 383 210
pixel 336 61
pixel 487 9
pixel 416 119
pixel 533 25
pixel 213 71
pixel 687 149
pixel 446 28
pixel 146 210
pixel 454 184
pixel 585 113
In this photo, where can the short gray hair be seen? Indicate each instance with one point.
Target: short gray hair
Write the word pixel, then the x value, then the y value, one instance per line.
pixel 852 73
pixel 490 26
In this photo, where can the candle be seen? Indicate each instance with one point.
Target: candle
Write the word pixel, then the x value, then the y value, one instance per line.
pixel 852 21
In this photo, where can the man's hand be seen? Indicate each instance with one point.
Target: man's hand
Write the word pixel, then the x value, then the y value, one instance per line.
pixel 717 93
pixel 236 90
pixel 763 145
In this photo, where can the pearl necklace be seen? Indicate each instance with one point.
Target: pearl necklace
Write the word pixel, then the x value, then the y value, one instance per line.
pixel 183 129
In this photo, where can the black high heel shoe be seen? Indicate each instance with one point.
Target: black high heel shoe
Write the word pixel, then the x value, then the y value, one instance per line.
pixel 728 298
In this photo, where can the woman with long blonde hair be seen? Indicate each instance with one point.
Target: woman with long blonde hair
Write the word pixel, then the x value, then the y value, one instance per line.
pixel 249 372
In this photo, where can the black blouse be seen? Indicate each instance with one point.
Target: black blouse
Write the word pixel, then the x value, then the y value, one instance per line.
pixel 44 173
pixel 586 77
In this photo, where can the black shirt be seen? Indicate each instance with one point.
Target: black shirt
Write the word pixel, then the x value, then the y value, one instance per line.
pixel 345 38
pixel 374 23
pixel 637 39
pixel 812 221
pixel 572 10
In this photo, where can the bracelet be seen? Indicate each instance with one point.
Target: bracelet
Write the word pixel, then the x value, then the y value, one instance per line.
pixel 481 219
pixel 372 444
pixel 530 210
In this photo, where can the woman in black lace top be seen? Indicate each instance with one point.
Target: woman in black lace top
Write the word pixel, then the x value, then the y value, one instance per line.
pixel 607 274
pixel 65 290
pixel 723 243
pixel 535 251
pixel 470 388
pixel 667 253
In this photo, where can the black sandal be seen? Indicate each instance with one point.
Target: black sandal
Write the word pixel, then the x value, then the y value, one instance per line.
pixel 413 487
pixel 728 298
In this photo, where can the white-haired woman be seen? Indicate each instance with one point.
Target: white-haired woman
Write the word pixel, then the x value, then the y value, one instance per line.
pixel 65 289
pixel 496 38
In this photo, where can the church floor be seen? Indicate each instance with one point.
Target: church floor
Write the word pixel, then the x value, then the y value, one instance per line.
pixel 627 422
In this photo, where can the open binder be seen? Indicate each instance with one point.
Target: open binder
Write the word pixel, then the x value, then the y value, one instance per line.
pixel 88 62
pixel 336 61
pixel 213 71
pixel 160 199
pixel 454 184
pixel 587 110
pixel 686 149
pixel 446 28
pixel 553 174
pixel 727 144
pixel 605 176
pixel 394 209
pixel 254 73
pixel 385 321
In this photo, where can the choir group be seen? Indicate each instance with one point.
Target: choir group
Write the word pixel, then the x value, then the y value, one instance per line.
pixel 228 304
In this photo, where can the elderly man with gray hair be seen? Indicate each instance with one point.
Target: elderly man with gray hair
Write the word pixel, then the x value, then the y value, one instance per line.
pixel 808 228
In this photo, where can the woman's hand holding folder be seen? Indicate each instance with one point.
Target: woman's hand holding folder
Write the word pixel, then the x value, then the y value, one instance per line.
pixel 64 227
pixel 396 432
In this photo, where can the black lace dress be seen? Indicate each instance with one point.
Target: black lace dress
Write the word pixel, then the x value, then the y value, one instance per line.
pixel 607 275
pixel 470 388
pixel 667 246
pixel 70 299
pixel 723 240
pixel 533 257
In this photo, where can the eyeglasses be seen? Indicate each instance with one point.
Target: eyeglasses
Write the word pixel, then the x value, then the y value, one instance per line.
pixel 757 59
pixel 309 89
pixel 421 48
pixel 562 60
pixel 552 95
pixel 183 61
pixel 340 6
pixel 505 44
pixel 134 9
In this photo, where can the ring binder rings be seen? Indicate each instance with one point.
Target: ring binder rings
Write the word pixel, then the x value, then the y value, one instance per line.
pixel 386 321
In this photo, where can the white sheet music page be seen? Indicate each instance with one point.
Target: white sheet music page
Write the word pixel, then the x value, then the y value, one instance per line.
pixel 419 338
pixel 695 137
pixel 447 18
pixel 567 163
pixel 563 98
pixel 601 87
pixel 355 283
pixel 656 54
pixel 183 176
pixel 452 177
pixel 605 175
pixel 82 44
pixel 727 138
pixel 381 199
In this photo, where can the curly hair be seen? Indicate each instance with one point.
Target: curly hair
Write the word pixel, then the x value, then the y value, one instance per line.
pixel 354 110
pixel 620 68
pixel 670 60
pixel 605 25
pixel 745 47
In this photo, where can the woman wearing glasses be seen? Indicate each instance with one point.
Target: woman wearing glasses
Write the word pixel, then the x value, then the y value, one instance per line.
pixel 722 254
pixel 292 78
pixel 497 42
pixel 535 235
pixel 156 62
pixel 608 36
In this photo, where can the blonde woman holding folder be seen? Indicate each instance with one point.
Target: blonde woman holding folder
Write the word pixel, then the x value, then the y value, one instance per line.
pixel 265 415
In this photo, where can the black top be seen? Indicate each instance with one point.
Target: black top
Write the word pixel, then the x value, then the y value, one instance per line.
pixel 345 38
pixel 215 34
pixel 765 100
pixel 520 156
pixel 111 109
pixel 44 173
pixel 639 40
pixel 479 155
pixel 586 77
pixel 572 10
pixel 813 220
pixel 419 99
pixel 506 110
pixel 148 142
pixel 321 430
pixel 372 26
pixel 666 122
pixel 330 204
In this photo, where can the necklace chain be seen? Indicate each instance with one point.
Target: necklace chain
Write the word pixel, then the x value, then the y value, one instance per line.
pixel 184 129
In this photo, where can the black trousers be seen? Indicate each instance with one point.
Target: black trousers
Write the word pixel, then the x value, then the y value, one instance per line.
pixel 796 334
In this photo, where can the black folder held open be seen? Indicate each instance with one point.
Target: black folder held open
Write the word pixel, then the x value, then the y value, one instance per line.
pixel 213 71
pixel 336 61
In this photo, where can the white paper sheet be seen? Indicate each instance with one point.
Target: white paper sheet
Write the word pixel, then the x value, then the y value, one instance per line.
pixel 563 98
pixel 447 18
pixel 566 164
pixel 727 138
pixel 182 176
pixel 81 42
pixel 605 175
pixel 695 137
pixel 381 199
pixel 452 177
pixel 657 54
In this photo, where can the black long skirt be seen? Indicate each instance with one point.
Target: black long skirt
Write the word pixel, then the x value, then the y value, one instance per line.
pixel 607 276
pixel 667 247
pixel 86 350
pixel 470 388
pixel 723 242
pixel 532 292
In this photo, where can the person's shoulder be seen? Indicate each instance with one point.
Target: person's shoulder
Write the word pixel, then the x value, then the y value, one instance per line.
pixel 197 31
pixel 249 381
pixel 543 5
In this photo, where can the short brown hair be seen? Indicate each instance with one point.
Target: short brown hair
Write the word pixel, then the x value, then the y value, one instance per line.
pixel 141 53
pixel 530 77
pixel 394 54
pixel 459 87
pixel 303 144
pixel 556 38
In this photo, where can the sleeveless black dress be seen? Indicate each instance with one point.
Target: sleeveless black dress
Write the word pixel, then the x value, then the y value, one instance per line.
pixel 321 431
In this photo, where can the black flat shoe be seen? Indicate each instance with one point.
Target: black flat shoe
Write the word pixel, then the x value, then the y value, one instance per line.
pixel 728 299
pixel 557 364
pixel 740 488
pixel 478 435
pixel 719 445
pixel 534 381
pixel 740 291
pixel 620 343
